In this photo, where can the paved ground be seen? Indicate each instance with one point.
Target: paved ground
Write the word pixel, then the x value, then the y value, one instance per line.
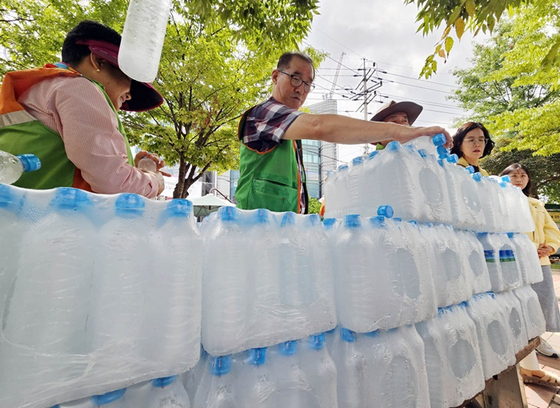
pixel 542 397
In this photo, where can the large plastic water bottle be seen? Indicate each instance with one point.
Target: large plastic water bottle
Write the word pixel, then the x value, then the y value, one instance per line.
pixel 293 380
pixel 451 267
pixel 165 392
pixel 225 306
pixel 532 311
pixel 12 225
pixel 49 305
pixel 527 257
pixel 353 390
pixel 477 269
pixel 492 255
pixel 142 38
pixel 453 359
pixel 217 387
pixel 124 261
pixel 512 307
pixel 396 368
pixel 264 312
pixel 12 167
pixel 320 369
pixel 494 336
pixel 173 308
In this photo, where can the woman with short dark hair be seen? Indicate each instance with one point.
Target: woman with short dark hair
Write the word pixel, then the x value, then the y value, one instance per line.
pixel 472 142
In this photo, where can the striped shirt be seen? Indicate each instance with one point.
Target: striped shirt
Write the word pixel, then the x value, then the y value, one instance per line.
pixel 265 126
pixel 77 110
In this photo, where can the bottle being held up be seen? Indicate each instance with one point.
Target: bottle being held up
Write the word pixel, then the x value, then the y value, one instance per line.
pixel 148 165
pixel 142 38
pixel 12 167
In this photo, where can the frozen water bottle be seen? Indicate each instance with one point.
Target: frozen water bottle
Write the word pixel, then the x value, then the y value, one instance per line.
pixel 145 163
pixel 12 167
pixel 142 38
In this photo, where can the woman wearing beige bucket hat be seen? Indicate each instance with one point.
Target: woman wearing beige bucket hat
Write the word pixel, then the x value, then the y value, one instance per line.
pixel 66 114
pixel 401 113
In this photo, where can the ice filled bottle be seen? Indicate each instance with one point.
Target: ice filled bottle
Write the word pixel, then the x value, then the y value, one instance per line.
pixel 142 38
pixel 12 167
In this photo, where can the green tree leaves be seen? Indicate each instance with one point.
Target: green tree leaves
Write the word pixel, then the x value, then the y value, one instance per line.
pixel 216 63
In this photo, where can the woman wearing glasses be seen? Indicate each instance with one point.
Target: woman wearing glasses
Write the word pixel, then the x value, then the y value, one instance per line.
pixel 472 142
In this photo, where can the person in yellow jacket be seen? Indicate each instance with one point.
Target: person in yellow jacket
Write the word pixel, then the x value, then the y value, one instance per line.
pixel 546 238
pixel 471 143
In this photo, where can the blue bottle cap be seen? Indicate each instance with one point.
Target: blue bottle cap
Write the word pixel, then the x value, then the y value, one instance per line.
pixel 30 162
pixel 377 222
pixel 229 213
pixel 392 146
pixel 288 348
pixel 423 153
pixel 356 161
pixel 470 169
pixel 374 333
pixel 68 198
pixel 477 176
pixel 220 365
pixel 328 223
pixel 352 221
pixel 397 219
pixel 179 208
pixel 385 211
pixel 164 381
pixel 439 139
pixel 453 159
pixel 289 218
pixel 130 205
pixel 347 335
pixel 257 356
pixel 343 167
pixel 109 397
pixel 262 216
pixel 442 152
pixel 313 219
pixel 7 197
pixel 373 154
pixel 506 179
pixel 482 234
pixel 510 234
pixel 316 341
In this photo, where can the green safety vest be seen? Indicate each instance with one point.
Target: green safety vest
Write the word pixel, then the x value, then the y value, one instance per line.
pixel 268 179
pixel 21 133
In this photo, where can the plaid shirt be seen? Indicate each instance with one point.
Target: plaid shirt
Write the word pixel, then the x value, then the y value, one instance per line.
pixel 265 126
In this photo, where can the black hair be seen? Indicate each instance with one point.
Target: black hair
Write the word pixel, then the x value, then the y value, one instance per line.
pixel 461 133
pixel 518 166
pixel 286 58
pixel 73 54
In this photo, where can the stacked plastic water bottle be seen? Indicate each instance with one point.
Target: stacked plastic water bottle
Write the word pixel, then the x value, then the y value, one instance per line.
pixel 96 293
pixel 456 266
pixel 118 301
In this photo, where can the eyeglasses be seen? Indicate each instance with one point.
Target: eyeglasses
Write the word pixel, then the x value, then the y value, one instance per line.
pixel 296 81
pixel 472 141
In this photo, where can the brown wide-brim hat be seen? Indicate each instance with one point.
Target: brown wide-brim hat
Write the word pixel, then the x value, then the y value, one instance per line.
pixel 144 96
pixel 411 109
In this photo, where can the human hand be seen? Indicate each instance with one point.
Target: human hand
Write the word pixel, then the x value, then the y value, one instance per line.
pixel 406 133
pixel 159 164
pixel 545 250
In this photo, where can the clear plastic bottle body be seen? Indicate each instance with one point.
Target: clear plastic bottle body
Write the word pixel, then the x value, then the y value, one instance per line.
pixel 49 302
pixel 142 38
pixel 12 167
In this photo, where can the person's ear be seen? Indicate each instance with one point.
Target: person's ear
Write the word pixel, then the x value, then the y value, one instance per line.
pixel 96 61
pixel 274 76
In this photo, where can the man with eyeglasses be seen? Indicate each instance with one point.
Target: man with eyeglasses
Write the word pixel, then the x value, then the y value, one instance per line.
pixel 271 164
